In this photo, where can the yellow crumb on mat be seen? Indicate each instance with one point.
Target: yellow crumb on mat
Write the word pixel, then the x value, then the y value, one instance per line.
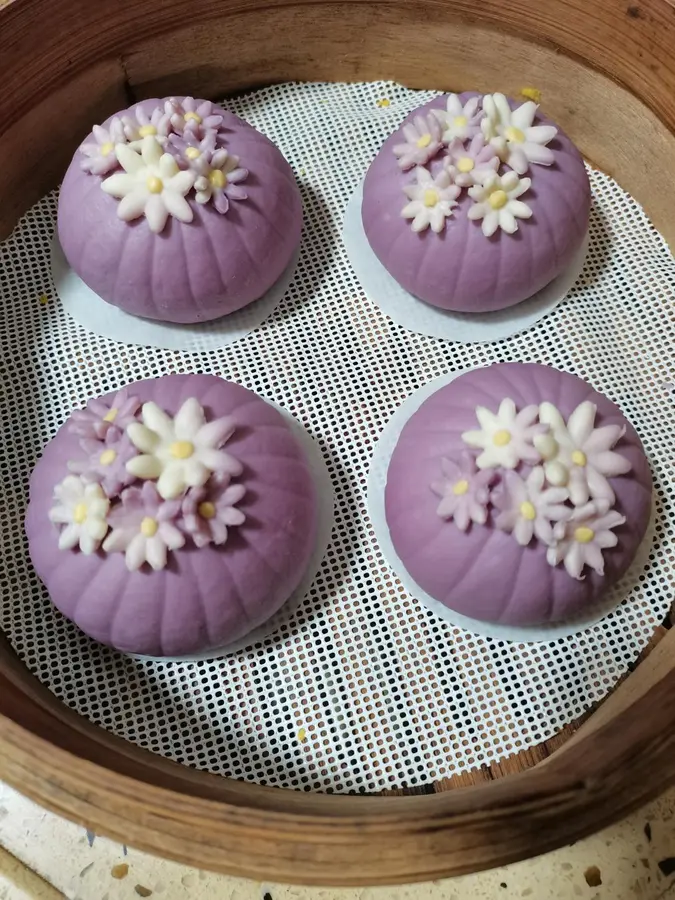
pixel 531 93
pixel 302 172
pixel 302 735
pixel 383 103
pixel 43 299
pixel 119 872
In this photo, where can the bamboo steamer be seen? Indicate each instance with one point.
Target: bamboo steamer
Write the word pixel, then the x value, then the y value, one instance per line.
pixel 607 74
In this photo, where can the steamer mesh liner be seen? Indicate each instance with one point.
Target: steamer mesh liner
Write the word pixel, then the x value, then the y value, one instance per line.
pixel 362 688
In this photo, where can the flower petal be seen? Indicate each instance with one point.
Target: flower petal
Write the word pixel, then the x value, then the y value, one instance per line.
pixel 119 185
pixel 130 161
pixel 133 205
pixel 156 212
pixel 151 151
pixel 144 467
pixel 69 537
pixel 183 181
pixel 523 116
pixel 177 206
pixel 216 433
pixel 490 223
pixel 581 421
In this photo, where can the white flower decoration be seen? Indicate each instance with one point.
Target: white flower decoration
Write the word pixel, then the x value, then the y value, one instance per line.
pixel 152 185
pixel 505 436
pixel 431 200
pixel 100 153
pixel 82 508
pixel 181 452
pixel 528 509
pixel 513 135
pixel 497 202
pixel 578 455
pixel 580 541
pixel 459 122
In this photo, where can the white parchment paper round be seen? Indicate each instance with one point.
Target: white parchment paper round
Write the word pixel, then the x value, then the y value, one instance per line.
pixel 422 318
pixel 94 314
pixel 377 480
pixel 324 527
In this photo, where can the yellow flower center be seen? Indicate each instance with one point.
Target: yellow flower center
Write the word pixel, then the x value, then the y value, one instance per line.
pixel 80 513
pixel 515 135
pixel 579 458
pixel 501 438
pixel 460 121
pixel 583 534
pixel 107 458
pixel 206 510
pixel 106 148
pixel 111 415
pixel 465 164
pixel 192 153
pixel 430 199
pixel 194 117
pixel 498 199
pixel 528 511
pixel 424 141
pixel 182 449
pixel 147 131
pixel 217 178
pixel 154 185
pixel 460 488
pixel 149 527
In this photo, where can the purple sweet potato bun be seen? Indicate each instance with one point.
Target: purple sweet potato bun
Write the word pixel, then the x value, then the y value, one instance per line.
pixel 460 268
pixel 210 593
pixel 483 572
pixel 190 271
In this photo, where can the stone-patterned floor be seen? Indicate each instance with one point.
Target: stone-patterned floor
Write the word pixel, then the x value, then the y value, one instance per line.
pixel 45 858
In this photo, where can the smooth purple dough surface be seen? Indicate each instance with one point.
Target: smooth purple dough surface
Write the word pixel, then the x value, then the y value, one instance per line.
pixel 484 573
pixel 205 598
pixel 190 272
pixel 460 269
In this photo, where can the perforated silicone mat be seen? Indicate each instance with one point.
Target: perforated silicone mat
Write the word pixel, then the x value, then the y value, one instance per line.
pixel 362 688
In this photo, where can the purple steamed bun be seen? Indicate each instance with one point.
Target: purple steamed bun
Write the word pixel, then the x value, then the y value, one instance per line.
pixel 210 593
pixel 190 271
pixel 460 268
pixel 483 572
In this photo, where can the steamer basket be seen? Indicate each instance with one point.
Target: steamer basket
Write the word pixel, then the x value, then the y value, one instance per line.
pixel 607 73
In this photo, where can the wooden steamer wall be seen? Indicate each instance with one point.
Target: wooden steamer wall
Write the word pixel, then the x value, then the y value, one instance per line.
pixel 607 72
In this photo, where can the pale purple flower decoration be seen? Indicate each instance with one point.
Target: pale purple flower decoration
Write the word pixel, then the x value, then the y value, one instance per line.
pixel 191 115
pixel 580 540
pixel 579 455
pixel 139 124
pixel 209 511
pixel 423 141
pixel 100 153
pixel 471 165
pixel 191 151
pixel 464 491
pixel 220 179
pixel 527 508
pixel 459 122
pixel 106 460
pixel 144 528
pixel 98 416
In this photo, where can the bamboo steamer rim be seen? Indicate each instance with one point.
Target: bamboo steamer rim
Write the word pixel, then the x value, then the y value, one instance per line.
pixel 607 74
